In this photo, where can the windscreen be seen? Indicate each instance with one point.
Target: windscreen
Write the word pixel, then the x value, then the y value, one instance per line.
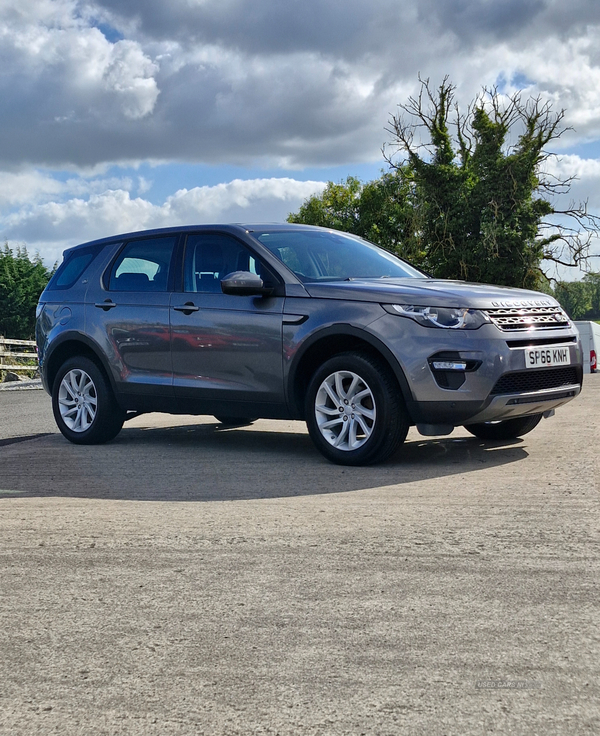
pixel 333 256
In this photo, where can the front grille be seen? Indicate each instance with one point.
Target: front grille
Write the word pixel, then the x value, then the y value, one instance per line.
pixel 529 343
pixel 531 380
pixel 528 318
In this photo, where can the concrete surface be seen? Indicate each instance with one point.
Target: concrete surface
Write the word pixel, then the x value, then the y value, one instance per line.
pixel 186 579
pixel 23 384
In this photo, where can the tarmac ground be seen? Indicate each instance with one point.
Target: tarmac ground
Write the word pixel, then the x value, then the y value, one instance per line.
pixel 191 579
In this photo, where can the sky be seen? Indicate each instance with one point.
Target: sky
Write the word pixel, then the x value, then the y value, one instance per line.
pixel 121 115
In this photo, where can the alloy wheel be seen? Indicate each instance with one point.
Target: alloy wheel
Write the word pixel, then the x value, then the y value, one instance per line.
pixel 345 410
pixel 77 400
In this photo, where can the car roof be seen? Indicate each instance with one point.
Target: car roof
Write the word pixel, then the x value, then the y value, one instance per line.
pixel 233 228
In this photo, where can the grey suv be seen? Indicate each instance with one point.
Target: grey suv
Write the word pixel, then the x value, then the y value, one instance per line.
pixel 295 322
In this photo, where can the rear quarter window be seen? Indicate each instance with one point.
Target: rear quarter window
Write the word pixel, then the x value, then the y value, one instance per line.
pixel 72 268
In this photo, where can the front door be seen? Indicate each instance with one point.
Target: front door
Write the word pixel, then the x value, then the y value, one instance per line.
pixel 225 348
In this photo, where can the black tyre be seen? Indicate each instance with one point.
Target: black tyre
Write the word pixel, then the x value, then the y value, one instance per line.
pixel 508 429
pixel 234 421
pixel 84 406
pixel 354 410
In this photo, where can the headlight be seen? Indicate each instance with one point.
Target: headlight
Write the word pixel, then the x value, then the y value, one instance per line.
pixel 450 318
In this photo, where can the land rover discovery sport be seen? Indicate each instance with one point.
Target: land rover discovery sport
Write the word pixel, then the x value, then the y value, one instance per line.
pixel 295 322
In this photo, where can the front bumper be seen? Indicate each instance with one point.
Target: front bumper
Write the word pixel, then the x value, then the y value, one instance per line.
pixel 538 402
pixel 492 354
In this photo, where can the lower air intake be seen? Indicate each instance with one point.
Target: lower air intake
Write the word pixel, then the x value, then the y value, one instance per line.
pixel 531 380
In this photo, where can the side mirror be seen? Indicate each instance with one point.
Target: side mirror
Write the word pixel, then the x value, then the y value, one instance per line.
pixel 244 283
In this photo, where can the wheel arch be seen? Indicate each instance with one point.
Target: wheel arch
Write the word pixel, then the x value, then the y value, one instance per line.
pixel 68 346
pixel 329 342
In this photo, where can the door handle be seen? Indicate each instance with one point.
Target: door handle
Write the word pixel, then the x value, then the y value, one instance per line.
pixel 105 305
pixel 187 308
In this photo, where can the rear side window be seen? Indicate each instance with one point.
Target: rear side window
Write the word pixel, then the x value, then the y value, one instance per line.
pixel 143 265
pixel 72 268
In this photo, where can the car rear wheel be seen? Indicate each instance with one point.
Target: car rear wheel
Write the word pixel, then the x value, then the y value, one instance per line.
pixel 84 406
pixel 354 410
pixel 508 429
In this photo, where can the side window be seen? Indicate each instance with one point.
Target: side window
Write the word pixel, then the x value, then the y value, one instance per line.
pixel 210 257
pixel 72 268
pixel 143 265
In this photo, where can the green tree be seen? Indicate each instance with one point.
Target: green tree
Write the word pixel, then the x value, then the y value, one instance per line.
pixel 379 210
pixel 484 203
pixel 575 297
pixel 466 196
pixel 336 207
pixel 22 280
pixel 592 279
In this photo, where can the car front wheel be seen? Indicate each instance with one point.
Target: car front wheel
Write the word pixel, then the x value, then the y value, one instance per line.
pixel 84 405
pixel 509 429
pixel 354 410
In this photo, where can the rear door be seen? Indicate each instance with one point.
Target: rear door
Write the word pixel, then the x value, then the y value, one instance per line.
pixel 131 316
pixel 225 347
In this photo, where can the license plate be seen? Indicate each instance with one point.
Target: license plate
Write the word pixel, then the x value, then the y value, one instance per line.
pixel 544 357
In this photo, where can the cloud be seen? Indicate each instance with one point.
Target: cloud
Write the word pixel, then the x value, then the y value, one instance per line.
pixel 585 173
pixel 23 188
pixel 245 199
pixel 62 81
pixel 78 210
pixel 567 166
pixel 335 28
pixel 89 86
pixel 52 226
pixel 261 82
pixel 18 189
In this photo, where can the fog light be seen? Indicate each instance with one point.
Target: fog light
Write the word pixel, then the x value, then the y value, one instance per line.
pixel 449 365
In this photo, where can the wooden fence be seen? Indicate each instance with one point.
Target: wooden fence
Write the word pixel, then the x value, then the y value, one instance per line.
pixel 17 355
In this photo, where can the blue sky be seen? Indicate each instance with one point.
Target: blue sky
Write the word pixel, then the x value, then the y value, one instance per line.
pixel 119 115
pixel 165 179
